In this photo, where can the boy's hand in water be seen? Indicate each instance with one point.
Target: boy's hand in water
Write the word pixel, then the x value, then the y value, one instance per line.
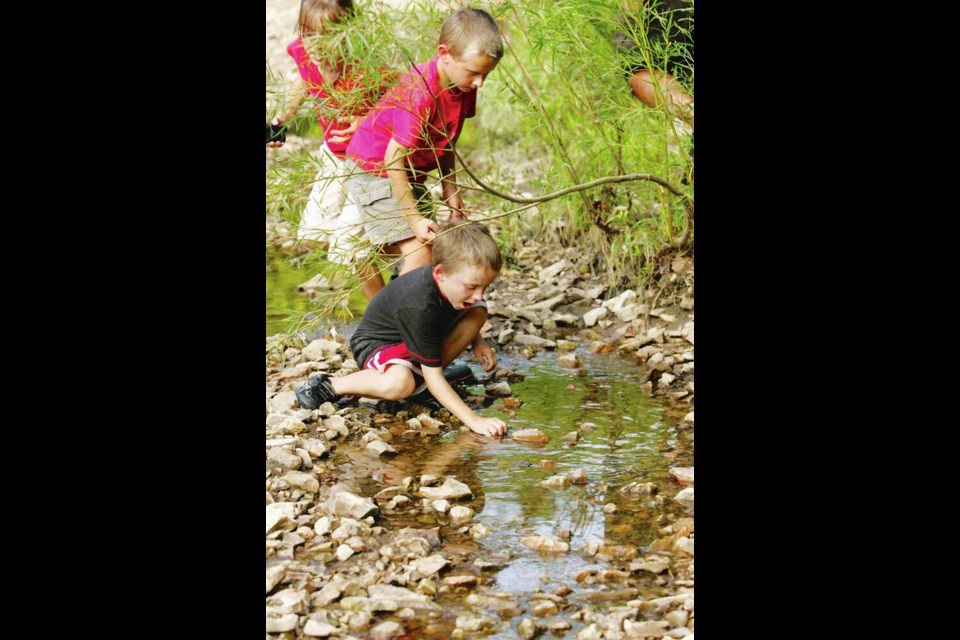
pixel 488 426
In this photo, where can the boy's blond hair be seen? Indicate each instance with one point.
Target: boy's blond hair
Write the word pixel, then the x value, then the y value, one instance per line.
pixel 467 32
pixel 313 13
pixel 463 244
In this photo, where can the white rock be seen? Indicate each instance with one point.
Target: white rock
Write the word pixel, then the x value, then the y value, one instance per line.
pixel 278 513
pixel 380 447
pixel 344 552
pixel 549 273
pixel 685 497
pixel 278 623
pixel 344 503
pixel 283 401
pixel 644 629
pixel 318 629
pixel 450 489
pixel 678 618
pixel 687 332
pixel 284 457
pixel 288 601
pixel 590 318
pixel 304 481
pixel 542 543
pixel 275 575
pixel 441 506
pixel 403 597
pixel 460 515
pixel 683 475
pixel 506 336
pixel 684 544
pixel 319 349
pixel 500 389
pixel 555 482
pixel 387 630
pixel 430 565
pixel 281 442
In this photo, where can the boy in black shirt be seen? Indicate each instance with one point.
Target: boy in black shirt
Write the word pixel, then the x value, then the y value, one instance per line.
pixel 418 324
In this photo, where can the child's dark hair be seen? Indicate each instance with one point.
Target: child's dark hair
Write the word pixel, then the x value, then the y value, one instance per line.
pixel 313 13
pixel 468 32
pixel 462 244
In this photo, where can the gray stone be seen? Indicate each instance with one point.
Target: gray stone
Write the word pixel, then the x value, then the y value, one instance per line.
pixel 387 630
pixel 590 318
pixel 506 336
pixel 500 389
pixel 275 575
pixel 278 623
pixel 320 349
pixel 542 543
pixel 283 401
pixel 284 457
pixel 344 503
pixel 460 515
pixel 403 597
pixel 534 341
pixel 304 481
pixel 318 629
pixel 629 312
pixel 280 515
pixel 550 273
pixel 450 489
pixel 683 475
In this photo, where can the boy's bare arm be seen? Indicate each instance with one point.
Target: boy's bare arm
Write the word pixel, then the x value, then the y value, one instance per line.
pixel 393 161
pixel 451 192
pixel 445 394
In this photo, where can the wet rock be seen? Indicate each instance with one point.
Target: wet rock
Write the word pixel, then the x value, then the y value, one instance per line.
pixel 666 379
pixel 461 515
pixel 318 629
pixel 528 629
pixel 550 273
pixel 548 305
pixel 282 402
pixel 327 409
pixel 414 424
pixel 688 419
pixel 506 336
pixel 337 424
pixel 398 502
pixel 651 564
pixel 577 476
pixel 363 604
pixel 571 438
pixel 542 543
pixel 430 536
pixel 387 630
pixel 684 544
pixel 449 490
pixel 403 597
pixel 473 623
pixel 548 465
pixel 499 389
pixel 566 345
pixel 645 629
pixel 570 360
pixel 630 312
pixel 543 608
pixel 429 422
pixel 587 427
pixel 430 565
pixel 658 605
pixel 640 489
pixel 685 497
pixel 275 575
pixel 304 481
pixel 278 623
pixel 381 448
pixel 465 581
pixel 590 549
pixel 555 482
pixel 609 508
pixel 677 618
pixel 529 435
pixel 478 531
pixel 534 341
pixel 687 332
pixel 316 448
pixel 344 503
pixel 590 318
pixel 284 457
pixel 280 516
pixel 558 626
pixel 440 506
pixel 683 475
pixel 512 403
pixel 591 632
pixel 320 349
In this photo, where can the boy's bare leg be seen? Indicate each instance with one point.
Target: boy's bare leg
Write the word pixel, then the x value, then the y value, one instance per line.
pixel 396 383
pixel 463 333
pixel 371 281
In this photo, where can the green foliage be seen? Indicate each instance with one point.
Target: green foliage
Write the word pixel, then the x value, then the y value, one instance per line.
pixel 556 112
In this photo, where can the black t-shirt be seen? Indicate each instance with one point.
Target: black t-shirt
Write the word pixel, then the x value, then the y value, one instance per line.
pixel 411 310
pixel 670 33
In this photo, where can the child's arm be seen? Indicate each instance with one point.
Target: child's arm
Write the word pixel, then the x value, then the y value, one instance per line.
pixel 295 97
pixel 445 394
pixel 393 160
pixel 451 192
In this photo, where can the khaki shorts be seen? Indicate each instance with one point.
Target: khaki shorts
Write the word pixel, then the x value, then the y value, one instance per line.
pixel 383 217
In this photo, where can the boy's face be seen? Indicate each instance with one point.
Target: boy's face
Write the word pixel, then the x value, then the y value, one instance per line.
pixel 464 286
pixel 466 73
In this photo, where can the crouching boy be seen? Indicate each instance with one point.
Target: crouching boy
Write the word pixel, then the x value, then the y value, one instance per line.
pixel 418 324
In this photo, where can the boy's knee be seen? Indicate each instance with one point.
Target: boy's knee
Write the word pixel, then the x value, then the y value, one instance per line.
pixel 399 383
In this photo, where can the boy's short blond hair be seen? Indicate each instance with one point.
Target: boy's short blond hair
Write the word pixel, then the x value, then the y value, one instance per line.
pixel 467 32
pixel 466 244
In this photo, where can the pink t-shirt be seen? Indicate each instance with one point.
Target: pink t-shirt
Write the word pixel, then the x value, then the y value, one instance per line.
pixel 329 108
pixel 409 114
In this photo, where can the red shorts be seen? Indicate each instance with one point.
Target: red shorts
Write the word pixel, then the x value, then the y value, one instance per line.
pixel 391 354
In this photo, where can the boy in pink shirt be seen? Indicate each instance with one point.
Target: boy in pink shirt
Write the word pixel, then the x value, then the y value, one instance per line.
pixel 411 132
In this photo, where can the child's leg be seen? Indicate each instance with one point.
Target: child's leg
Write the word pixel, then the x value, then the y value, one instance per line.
pixel 324 203
pixel 462 333
pixel 396 383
